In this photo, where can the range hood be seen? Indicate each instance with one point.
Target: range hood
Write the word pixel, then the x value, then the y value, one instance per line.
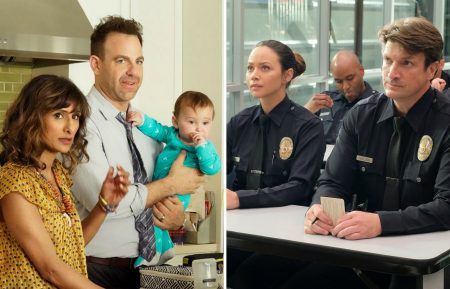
pixel 43 32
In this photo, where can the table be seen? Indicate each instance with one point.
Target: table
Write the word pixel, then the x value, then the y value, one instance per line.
pixel 425 255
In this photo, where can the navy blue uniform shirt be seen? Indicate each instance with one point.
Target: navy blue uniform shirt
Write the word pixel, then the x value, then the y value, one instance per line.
pixel 293 155
pixel 357 163
pixel 332 118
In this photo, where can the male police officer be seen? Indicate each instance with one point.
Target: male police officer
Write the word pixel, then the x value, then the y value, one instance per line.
pixel 331 106
pixel 405 190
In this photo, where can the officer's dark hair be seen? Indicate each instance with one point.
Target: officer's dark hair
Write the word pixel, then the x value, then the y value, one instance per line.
pixel 288 58
pixel 415 35
pixel 112 24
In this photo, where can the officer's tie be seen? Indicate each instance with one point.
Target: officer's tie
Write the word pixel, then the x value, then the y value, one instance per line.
pixel 391 200
pixel 255 169
pixel 144 222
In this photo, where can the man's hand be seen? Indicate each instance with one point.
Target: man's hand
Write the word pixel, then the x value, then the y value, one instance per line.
pixel 438 83
pixel 183 179
pixel 317 222
pixel 358 225
pixel 232 200
pixel 180 180
pixel 318 101
pixel 168 214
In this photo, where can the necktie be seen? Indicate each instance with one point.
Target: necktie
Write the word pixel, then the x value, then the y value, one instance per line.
pixel 144 222
pixel 391 201
pixel 255 169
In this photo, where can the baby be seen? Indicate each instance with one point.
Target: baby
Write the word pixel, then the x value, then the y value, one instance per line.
pixel 192 121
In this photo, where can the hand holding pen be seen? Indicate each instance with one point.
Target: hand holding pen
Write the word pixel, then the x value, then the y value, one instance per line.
pixel 317 222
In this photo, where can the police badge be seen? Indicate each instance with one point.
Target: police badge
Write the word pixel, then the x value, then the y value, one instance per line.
pixel 286 147
pixel 425 147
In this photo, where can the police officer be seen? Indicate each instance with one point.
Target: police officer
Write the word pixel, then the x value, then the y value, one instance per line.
pixel 332 106
pixel 294 142
pixel 285 169
pixel 406 187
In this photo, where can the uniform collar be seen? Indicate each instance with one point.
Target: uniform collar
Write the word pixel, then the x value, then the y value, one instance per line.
pixel 368 91
pixel 105 107
pixel 277 114
pixel 416 114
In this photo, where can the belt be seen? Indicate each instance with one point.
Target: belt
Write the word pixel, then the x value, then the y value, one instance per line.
pixel 113 261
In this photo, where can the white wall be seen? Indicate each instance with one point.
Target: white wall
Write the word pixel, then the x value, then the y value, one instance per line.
pixel 161 23
pixel 81 73
pixel 203 70
pixel 162 46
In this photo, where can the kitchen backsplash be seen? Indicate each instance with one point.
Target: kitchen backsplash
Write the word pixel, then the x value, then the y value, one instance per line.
pixel 12 79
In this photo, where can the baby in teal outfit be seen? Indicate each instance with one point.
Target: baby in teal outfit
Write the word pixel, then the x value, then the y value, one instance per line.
pixel 192 121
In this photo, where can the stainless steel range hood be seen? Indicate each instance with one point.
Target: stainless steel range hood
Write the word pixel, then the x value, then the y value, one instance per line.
pixel 43 31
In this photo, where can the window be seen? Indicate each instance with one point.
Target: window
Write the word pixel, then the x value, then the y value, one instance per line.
pixel 300 24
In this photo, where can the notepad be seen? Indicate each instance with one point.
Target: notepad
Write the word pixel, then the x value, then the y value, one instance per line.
pixel 333 207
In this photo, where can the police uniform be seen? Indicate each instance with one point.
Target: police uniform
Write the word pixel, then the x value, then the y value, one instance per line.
pixel 293 155
pixel 332 118
pixel 357 164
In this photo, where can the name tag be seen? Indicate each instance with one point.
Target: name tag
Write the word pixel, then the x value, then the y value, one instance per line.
pixel 257 172
pixel 364 159
pixel 324 113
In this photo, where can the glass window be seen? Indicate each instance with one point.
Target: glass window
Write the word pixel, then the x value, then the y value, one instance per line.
pixel 373 21
pixel 231 102
pixel 301 93
pixel 229 48
pixel 375 81
pixel 408 8
pixel 447 31
pixel 293 22
pixel 299 24
pixel 342 30
pixel 342 26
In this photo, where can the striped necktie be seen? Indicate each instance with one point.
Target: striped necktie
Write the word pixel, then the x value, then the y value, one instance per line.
pixel 144 222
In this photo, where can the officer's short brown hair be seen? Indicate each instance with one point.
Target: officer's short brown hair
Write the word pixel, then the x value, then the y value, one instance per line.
pixel 415 35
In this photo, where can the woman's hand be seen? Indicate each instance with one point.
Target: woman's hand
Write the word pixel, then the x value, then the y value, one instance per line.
pixel 232 200
pixel 114 188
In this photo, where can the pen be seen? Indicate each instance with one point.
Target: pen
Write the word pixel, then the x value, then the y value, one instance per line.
pixel 315 220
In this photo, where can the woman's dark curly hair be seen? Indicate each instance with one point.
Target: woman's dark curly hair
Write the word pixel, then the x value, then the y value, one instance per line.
pixel 22 136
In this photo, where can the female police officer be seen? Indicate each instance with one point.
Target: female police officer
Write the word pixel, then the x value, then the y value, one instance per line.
pixel 276 150
pixel 293 143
